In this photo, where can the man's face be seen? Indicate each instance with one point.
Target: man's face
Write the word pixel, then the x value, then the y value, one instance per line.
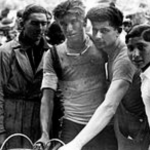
pixel 104 35
pixel 72 27
pixel 139 51
pixel 35 26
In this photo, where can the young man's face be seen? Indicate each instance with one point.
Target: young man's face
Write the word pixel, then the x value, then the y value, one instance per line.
pixel 104 34
pixel 35 26
pixel 72 27
pixel 139 51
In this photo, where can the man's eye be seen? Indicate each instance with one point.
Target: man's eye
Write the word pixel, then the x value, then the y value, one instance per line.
pixel 44 23
pixel 63 24
pixel 130 48
pixel 34 23
pixel 141 47
pixel 104 31
pixel 48 22
pixel 95 30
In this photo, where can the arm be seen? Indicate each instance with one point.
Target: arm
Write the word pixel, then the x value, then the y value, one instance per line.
pixel 102 115
pixel 49 85
pixel 46 112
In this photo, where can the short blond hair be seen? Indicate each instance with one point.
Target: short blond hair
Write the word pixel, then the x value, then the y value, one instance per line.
pixel 67 7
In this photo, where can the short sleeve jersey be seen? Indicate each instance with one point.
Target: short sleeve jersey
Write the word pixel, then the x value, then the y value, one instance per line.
pixel 83 82
pixel 119 65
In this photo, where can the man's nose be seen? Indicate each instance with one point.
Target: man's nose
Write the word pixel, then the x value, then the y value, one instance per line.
pixel 41 26
pixel 99 34
pixel 136 52
pixel 69 27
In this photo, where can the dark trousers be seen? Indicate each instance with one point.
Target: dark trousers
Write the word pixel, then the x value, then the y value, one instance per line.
pixel 105 140
pixel 132 133
pixel 22 116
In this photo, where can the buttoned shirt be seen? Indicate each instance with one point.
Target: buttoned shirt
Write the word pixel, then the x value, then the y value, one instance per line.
pixel 145 89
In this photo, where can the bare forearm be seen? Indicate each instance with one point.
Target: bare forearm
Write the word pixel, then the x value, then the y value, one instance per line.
pixel 96 124
pixel 46 113
pixel 104 113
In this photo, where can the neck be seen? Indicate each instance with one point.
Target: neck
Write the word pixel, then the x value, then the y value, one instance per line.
pixel 76 46
pixel 110 48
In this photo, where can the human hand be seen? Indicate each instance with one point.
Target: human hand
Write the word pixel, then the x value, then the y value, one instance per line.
pixel 41 144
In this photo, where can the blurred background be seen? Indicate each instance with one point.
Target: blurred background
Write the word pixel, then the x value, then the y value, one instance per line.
pixel 127 6
pixel 135 12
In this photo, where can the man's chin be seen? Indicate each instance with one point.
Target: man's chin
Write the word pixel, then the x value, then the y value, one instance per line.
pixel 139 66
pixel 37 38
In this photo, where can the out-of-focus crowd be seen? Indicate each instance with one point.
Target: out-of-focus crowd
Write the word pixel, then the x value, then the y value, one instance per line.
pixel 10 24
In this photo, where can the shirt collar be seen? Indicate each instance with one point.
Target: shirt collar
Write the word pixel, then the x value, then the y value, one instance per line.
pixel 87 45
pixel 146 73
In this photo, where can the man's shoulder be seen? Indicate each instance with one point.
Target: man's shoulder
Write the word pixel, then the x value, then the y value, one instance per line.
pixel 9 46
pixel 61 45
pixel 122 60
pixel 61 48
pixel 122 52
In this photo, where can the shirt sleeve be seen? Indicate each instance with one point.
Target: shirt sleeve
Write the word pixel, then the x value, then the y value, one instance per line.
pixel 50 78
pixel 124 69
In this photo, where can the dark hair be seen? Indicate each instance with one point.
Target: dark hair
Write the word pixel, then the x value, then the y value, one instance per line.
pixel 69 6
pixel 106 13
pixel 55 34
pixel 139 31
pixel 33 8
pixel 49 14
pixel 20 13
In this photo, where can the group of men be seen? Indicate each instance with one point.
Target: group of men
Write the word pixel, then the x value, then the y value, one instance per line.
pixel 101 90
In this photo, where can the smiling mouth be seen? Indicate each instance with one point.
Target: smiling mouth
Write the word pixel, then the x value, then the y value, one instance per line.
pixel 99 42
